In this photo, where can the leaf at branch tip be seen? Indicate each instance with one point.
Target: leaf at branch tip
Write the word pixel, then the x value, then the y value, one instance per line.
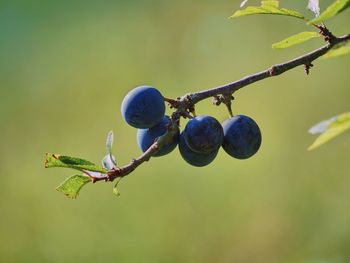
pixel 330 128
pixel 337 52
pixel 314 6
pixel 72 185
pixel 332 10
pixel 296 39
pixel 56 160
pixel 267 7
pixel 115 188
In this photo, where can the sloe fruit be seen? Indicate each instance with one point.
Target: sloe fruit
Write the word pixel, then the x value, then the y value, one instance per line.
pixel 143 107
pixel 146 137
pixel 242 137
pixel 195 158
pixel 203 134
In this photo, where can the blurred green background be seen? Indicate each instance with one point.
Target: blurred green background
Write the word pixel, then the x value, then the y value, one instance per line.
pixel 65 67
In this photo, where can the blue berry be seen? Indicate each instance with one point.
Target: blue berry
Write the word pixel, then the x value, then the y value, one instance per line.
pixel 195 158
pixel 143 107
pixel 203 134
pixel 146 137
pixel 242 137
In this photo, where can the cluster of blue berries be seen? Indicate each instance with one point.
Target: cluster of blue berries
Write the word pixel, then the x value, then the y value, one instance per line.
pixel 200 141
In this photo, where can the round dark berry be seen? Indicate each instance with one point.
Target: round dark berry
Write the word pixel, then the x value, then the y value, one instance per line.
pixel 146 137
pixel 143 107
pixel 203 134
pixel 242 137
pixel 195 158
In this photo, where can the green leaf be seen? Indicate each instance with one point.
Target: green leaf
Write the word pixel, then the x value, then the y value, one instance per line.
pixel 332 10
pixel 115 188
pixel 330 128
pixel 267 7
pixel 296 39
pixel 337 52
pixel 72 185
pixel 56 160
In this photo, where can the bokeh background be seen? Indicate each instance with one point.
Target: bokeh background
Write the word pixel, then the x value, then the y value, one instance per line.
pixel 65 67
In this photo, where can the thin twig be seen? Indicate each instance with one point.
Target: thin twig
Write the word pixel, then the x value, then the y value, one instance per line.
pixel 271 72
pixel 125 170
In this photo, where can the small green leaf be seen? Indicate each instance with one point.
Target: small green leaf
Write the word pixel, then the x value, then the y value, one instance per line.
pixel 72 185
pixel 337 52
pixel 332 10
pixel 56 160
pixel 267 7
pixel 296 39
pixel 330 128
pixel 115 188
